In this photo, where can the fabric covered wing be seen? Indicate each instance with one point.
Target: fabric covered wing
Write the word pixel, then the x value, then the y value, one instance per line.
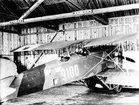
pixel 46 46
pixel 26 48
pixel 127 78
pixel 57 45
pixel 88 42
pixel 113 39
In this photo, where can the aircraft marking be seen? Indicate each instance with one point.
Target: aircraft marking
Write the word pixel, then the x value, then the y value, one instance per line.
pixel 70 72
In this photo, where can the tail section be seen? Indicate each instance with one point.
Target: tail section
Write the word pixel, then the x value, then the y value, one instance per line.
pixel 5 89
pixel 8 71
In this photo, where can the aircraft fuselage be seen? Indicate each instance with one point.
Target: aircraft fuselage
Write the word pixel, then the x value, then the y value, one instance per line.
pixel 56 73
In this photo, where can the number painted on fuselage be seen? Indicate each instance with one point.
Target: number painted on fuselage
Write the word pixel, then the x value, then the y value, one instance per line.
pixel 70 72
pixel 66 73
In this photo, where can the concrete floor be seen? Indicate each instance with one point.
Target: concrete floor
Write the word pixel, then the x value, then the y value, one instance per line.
pixel 77 95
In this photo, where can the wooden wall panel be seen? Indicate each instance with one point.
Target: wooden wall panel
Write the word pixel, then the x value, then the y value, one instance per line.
pixel 60 36
pixel 11 42
pixel 8 42
pixel 26 39
pixel 5 43
pixel 95 33
pixel 135 27
pixel 21 40
pixel 68 26
pixel 29 39
pixel 40 38
pixel 61 26
pixel 104 31
pixel 86 33
pixel 80 34
pixel 70 35
pixel 50 36
pixel 1 43
pixel 79 24
pixel 32 39
pixel 86 24
pixel 44 38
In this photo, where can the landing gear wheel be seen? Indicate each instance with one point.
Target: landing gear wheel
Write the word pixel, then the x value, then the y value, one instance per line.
pixel 117 89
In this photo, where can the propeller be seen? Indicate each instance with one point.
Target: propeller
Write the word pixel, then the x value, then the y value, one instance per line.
pixel 126 58
pixel 130 59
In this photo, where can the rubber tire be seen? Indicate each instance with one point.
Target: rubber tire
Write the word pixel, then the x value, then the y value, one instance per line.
pixel 118 89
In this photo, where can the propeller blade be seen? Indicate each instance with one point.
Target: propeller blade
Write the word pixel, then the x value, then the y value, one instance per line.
pixel 130 59
pixel 126 58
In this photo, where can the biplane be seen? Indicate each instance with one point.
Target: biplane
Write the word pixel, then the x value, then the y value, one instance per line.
pixel 93 64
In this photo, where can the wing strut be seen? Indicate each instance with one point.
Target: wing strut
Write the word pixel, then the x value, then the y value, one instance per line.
pixel 43 51
pixel 86 75
pixel 114 61
pixel 37 60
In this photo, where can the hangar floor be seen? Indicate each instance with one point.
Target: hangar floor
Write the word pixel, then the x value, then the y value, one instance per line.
pixel 77 95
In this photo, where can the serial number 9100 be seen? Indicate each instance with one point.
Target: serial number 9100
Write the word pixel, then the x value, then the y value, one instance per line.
pixel 70 72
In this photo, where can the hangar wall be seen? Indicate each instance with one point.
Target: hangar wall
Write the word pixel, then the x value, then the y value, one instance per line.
pixel 8 41
pixel 93 29
pixel 74 31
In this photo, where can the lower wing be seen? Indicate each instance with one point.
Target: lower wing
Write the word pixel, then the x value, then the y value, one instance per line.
pixel 127 78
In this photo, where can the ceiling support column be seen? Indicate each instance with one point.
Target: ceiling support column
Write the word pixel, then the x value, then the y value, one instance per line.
pixel 31 9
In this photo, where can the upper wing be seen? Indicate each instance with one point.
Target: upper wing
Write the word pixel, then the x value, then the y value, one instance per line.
pixel 57 45
pixel 46 46
pixel 113 39
pixel 88 42
pixel 26 48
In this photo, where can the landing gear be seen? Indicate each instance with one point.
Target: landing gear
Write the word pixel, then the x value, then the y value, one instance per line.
pixel 91 82
pixel 118 89
pixel 115 88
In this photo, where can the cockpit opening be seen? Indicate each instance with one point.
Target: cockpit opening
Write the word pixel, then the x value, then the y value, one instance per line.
pixel 64 58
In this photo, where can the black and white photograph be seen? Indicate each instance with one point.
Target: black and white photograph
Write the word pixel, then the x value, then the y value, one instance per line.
pixel 69 52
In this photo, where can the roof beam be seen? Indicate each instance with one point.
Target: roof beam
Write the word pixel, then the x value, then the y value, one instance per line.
pixel 31 9
pixel 73 14
pixel 116 8
pixel 76 5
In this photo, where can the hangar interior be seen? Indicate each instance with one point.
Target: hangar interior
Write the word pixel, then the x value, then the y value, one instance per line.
pixel 25 22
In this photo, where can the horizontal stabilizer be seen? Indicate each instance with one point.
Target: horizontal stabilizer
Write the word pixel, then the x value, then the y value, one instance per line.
pixel 6 91
pixel 6 82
